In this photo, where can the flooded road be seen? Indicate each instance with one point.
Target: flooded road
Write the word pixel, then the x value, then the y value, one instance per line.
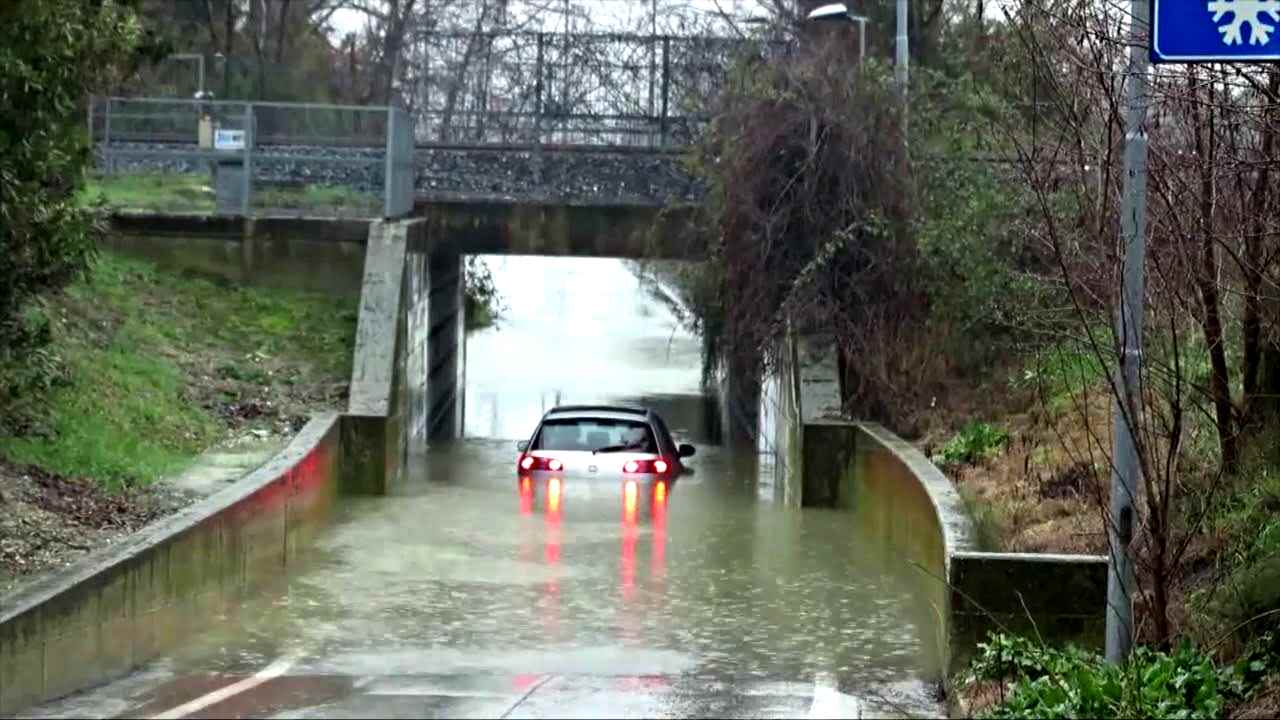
pixel 463 596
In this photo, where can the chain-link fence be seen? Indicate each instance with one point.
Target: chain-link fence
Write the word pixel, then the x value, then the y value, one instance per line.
pixel 241 158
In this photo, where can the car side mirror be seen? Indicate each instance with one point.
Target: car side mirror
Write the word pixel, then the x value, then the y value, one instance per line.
pixel 522 445
pixel 687 451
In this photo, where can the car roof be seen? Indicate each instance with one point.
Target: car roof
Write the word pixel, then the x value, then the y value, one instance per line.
pixel 610 411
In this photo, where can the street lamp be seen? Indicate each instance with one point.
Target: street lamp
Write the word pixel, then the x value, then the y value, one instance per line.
pixel 226 91
pixel 839 12
pixel 199 58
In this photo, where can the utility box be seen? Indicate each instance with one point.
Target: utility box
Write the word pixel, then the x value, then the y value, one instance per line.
pixel 229 186
pixel 229 171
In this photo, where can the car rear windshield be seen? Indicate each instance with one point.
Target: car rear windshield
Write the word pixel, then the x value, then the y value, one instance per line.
pixel 592 434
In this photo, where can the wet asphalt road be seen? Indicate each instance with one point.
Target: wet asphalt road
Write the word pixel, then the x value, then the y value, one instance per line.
pixel 462 596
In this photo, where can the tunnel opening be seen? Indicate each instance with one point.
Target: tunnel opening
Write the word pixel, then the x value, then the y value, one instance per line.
pixel 577 330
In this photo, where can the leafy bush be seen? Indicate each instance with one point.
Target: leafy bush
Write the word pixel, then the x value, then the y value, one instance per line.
pixel 483 300
pixel 1061 683
pixel 51 52
pixel 975 441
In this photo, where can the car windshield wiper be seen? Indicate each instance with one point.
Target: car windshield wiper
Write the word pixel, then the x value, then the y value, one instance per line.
pixel 610 449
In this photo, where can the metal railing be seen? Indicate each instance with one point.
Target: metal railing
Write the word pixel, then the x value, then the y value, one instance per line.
pixel 604 89
pixel 251 158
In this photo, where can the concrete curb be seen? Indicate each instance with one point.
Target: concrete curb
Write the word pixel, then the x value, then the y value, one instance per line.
pixel 119 607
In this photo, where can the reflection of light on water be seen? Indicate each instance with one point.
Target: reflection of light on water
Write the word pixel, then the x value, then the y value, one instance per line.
pixel 575 330
pixel 526 496
pixel 659 521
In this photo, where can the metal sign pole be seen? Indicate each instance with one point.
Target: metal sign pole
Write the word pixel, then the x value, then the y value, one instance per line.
pixel 1126 467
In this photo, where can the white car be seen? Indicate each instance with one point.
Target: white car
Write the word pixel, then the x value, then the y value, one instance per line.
pixel 601 442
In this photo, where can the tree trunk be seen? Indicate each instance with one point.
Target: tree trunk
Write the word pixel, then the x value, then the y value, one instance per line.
pixel 213 27
pixel 398 15
pixel 229 30
pixel 282 31
pixel 1207 282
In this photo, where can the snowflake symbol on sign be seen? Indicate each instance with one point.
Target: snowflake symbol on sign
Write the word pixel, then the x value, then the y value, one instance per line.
pixel 1245 12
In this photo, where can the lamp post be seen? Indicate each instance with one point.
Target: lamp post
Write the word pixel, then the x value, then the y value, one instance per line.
pixel 226 82
pixel 901 72
pixel 840 12
pixel 199 69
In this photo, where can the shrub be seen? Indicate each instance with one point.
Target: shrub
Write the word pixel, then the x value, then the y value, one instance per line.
pixel 975 442
pixel 1060 683
pixel 483 300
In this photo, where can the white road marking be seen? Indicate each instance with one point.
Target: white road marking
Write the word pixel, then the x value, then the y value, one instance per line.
pixel 270 672
pixel 829 702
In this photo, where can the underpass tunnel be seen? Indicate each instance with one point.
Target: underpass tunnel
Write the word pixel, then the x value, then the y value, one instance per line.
pixel 580 330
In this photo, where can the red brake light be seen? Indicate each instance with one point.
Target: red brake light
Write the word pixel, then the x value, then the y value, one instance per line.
pixel 646 466
pixel 532 462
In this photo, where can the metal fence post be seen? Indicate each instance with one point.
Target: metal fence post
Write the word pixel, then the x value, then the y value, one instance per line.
pixel 389 169
pixel 247 179
pixel 106 139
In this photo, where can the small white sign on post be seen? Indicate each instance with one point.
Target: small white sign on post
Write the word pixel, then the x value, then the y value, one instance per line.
pixel 228 140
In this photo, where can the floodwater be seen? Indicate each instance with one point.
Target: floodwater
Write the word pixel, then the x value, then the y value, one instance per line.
pixel 463 596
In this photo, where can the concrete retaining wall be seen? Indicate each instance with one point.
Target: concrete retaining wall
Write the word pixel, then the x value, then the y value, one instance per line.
pixel 115 610
pixel 1056 597
pixel 297 253
pixel 900 498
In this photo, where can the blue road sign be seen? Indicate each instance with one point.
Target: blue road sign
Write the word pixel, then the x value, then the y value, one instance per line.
pixel 1215 30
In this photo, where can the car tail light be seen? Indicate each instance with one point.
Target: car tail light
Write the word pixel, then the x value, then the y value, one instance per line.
pixel 532 462
pixel 658 466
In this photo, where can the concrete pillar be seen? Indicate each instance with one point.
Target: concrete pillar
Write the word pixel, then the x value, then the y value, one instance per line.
pixel 446 344
pixel 738 392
